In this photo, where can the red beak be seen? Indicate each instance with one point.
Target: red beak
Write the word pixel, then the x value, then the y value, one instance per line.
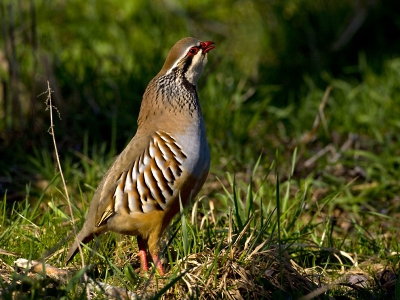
pixel 207 46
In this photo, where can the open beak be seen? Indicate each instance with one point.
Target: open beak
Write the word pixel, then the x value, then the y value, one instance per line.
pixel 207 46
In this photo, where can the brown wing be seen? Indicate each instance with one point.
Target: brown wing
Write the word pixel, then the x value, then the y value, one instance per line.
pixel 143 182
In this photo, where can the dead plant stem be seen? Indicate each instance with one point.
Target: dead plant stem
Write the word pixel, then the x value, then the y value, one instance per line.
pixel 49 106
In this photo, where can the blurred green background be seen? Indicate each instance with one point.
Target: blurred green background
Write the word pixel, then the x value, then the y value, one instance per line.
pixel 260 91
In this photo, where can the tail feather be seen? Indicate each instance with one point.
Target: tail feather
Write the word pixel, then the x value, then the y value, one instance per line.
pixel 83 237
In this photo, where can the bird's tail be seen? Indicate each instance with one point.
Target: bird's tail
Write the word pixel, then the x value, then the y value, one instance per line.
pixel 82 237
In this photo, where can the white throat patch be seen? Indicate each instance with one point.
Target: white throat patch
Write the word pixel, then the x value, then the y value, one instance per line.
pixel 196 68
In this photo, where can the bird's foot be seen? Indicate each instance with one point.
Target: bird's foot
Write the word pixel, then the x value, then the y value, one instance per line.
pixel 158 264
pixel 144 266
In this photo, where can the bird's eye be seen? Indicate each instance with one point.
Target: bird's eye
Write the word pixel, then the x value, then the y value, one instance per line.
pixel 193 50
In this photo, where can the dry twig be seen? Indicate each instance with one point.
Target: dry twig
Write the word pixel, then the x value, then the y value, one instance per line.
pixel 62 276
pixel 50 106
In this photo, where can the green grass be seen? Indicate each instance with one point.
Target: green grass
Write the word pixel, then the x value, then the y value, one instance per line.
pixel 264 225
pixel 288 206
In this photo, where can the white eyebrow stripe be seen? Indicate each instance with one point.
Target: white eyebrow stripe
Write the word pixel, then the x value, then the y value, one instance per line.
pixel 180 58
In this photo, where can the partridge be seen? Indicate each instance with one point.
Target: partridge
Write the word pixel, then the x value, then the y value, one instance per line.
pixel 167 161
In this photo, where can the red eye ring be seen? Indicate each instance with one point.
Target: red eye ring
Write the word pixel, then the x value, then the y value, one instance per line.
pixel 193 51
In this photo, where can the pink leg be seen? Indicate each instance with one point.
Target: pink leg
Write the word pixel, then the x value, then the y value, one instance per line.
pixel 158 264
pixel 144 265
pixel 142 254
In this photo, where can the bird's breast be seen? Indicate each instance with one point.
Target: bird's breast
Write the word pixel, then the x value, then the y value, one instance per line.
pixel 194 144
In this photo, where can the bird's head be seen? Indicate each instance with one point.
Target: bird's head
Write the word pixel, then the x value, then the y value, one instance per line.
pixel 189 55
